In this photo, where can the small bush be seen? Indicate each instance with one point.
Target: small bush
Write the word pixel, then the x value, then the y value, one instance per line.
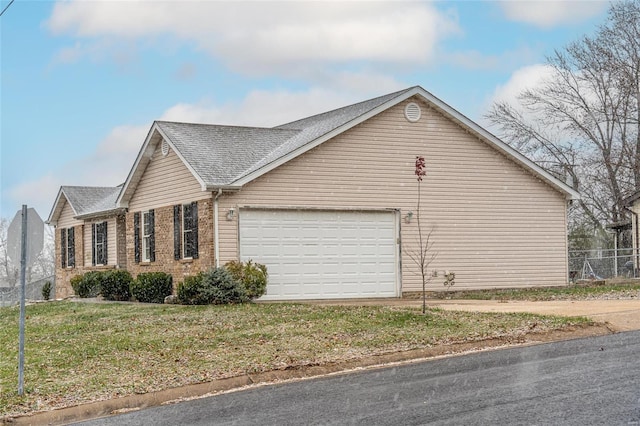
pixel 252 275
pixel 152 287
pixel 46 290
pixel 189 291
pixel 75 284
pixel 115 284
pixel 216 286
pixel 87 285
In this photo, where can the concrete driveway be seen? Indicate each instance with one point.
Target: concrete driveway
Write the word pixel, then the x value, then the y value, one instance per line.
pixel 621 315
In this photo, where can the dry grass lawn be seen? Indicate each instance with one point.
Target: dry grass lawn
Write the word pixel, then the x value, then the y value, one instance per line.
pixel 81 352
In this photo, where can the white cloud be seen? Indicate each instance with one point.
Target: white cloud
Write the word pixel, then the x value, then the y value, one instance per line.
pixel 263 37
pixel 550 13
pixel 267 108
pixel 477 60
pixel 524 78
pixel 528 77
pixel 114 155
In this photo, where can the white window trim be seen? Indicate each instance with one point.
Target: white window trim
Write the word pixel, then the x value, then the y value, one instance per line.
pixel 97 244
pixel 145 257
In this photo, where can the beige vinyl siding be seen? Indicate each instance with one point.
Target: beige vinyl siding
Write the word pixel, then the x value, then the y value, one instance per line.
pixel 112 250
pixel 66 219
pixel 495 224
pixel 166 181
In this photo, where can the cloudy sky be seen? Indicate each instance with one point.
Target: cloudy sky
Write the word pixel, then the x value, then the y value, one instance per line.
pixel 82 81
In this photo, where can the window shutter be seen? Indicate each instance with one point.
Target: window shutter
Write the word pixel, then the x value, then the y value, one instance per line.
pixel 93 244
pixel 71 261
pixel 194 228
pixel 136 236
pixel 63 248
pixel 152 236
pixel 106 244
pixel 177 235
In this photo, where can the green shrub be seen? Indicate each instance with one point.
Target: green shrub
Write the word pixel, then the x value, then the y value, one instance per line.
pixel 115 284
pixel 75 283
pixel 189 291
pixel 87 285
pixel 152 287
pixel 216 286
pixel 252 275
pixel 46 290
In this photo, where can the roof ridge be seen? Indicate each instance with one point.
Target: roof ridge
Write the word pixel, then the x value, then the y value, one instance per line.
pixel 91 186
pixel 335 110
pixel 230 126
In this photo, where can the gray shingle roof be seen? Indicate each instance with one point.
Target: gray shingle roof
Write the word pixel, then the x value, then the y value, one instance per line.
pixel 231 156
pixel 221 155
pixel 89 200
pixel 228 157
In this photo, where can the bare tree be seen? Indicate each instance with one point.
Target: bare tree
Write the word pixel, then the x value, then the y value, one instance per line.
pixel 9 272
pixel 424 255
pixel 582 123
pixel 43 266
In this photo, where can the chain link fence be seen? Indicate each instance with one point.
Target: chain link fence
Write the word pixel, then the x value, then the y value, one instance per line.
pixel 603 264
pixel 11 295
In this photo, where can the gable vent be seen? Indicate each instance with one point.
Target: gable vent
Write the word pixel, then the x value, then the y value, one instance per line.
pixel 165 148
pixel 412 112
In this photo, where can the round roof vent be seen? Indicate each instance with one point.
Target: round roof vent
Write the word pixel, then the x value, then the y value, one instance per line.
pixel 412 112
pixel 165 148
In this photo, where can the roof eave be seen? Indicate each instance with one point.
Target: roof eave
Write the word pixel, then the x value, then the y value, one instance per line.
pixel 104 213
pixel 225 187
pixel 132 177
pixel 142 160
pixel 570 193
pixel 629 201
pixel 57 208
pixel 243 180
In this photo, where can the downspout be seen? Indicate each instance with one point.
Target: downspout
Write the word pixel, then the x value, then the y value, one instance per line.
pixel 216 230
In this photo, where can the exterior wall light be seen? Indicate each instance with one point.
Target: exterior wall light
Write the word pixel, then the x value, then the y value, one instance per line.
pixel 408 217
pixel 231 213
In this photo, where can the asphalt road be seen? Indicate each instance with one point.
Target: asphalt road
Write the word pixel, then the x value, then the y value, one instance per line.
pixel 593 381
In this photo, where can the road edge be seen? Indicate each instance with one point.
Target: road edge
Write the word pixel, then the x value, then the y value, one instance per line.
pixel 92 410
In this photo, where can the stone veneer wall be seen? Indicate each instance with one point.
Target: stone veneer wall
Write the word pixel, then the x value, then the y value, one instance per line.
pixel 63 276
pixel 164 261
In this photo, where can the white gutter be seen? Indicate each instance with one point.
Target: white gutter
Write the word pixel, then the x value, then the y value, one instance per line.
pixel 216 230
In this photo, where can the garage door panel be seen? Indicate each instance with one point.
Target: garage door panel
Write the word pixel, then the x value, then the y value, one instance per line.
pixel 322 254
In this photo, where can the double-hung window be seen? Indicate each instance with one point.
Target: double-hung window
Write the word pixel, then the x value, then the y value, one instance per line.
pixel 144 230
pixel 185 231
pixel 67 248
pixel 147 233
pixel 99 243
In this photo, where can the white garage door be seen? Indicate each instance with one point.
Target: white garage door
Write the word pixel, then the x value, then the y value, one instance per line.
pixel 322 254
